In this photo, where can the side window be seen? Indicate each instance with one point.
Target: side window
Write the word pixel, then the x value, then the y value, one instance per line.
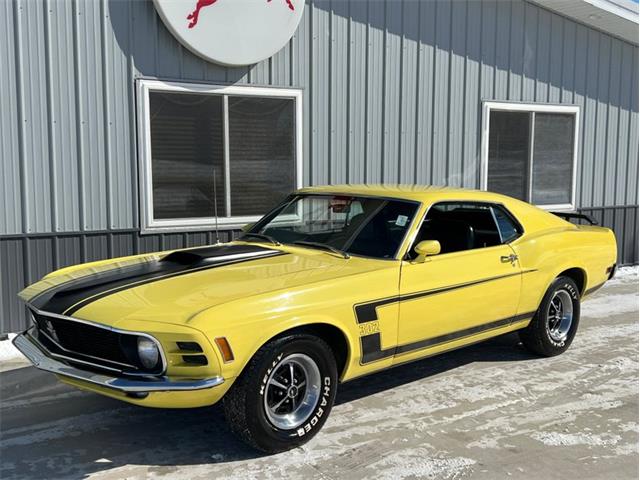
pixel 382 235
pixel 460 226
pixel 506 226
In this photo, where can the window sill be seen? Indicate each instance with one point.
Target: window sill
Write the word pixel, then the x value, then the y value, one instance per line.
pixel 197 225
pixel 559 207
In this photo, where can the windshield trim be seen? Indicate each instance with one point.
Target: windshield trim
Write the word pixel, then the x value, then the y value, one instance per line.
pixel 295 195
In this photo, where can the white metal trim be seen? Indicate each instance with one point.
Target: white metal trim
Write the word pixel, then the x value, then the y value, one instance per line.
pixel 487 106
pixel 150 225
pixel 227 164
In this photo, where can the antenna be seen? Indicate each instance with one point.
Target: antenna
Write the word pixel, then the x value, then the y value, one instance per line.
pixel 215 205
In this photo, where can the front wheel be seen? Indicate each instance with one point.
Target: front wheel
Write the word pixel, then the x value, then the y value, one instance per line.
pixel 555 324
pixel 284 395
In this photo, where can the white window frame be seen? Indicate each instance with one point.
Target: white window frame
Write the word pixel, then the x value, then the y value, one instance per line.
pixel 488 106
pixel 144 86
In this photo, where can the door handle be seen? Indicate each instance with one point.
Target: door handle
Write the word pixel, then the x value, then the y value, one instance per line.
pixel 509 258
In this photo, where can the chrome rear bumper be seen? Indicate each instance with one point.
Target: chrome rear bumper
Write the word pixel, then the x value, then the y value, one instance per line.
pixel 37 355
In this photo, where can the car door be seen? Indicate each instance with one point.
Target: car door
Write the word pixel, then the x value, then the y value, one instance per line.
pixel 464 293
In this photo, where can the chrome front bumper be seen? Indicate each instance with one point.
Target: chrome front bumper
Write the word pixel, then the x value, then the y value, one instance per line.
pixel 37 355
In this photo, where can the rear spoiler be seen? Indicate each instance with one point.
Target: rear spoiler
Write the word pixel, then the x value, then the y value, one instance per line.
pixel 578 216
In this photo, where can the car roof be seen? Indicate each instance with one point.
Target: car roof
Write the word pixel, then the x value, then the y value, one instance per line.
pixel 420 193
pixel 530 217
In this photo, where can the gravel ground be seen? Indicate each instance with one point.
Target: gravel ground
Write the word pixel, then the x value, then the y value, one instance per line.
pixel 488 411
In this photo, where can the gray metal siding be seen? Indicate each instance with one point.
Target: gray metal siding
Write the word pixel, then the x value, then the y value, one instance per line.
pixel 392 93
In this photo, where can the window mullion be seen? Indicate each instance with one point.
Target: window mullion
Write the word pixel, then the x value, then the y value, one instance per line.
pixel 225 146
pixel 532 133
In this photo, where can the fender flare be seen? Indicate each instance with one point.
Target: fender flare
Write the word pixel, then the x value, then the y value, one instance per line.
pixel 351 342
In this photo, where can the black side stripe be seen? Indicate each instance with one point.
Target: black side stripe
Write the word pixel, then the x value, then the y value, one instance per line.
pixel 372 347
pixel 67 298
pixel 366 312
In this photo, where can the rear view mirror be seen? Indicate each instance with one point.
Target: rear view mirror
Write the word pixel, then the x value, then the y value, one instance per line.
pixel 426 248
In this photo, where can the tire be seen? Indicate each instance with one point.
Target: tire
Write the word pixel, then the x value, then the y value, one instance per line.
pixel 254 391
pixel 551 331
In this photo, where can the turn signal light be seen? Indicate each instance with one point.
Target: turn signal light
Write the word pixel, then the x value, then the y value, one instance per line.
pixel 225 349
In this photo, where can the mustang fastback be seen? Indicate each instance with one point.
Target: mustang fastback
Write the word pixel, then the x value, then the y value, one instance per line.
pixel 334 283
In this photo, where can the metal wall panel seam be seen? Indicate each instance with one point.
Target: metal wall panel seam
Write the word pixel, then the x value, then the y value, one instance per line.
pixel 53 171
pixel 462 93
pixel 329 105
pixel 311 89
pixel 614 138
pixel 366 100
pixel 17 31
pixel 348 127
pixel 105 115
pixel 133 134
pixel 10 194
pixel 416 120
pixel 78 111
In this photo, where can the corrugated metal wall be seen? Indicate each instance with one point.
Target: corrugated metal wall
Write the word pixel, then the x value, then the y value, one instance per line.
pixel 392 93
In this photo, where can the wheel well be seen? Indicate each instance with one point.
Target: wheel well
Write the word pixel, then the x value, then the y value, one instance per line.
pixel 330 334
pixel 577 275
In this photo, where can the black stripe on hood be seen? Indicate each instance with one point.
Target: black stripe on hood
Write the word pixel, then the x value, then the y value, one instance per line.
pixel 69 297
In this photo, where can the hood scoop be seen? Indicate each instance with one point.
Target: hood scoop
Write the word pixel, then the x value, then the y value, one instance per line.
pixel 217 253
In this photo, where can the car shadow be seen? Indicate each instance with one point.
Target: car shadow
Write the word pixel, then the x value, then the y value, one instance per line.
pixel 52 431
pixel 505 348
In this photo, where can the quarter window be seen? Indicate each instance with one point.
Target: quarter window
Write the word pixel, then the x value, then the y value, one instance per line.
pixel 529 152
pixel 506 226
pixel 207 151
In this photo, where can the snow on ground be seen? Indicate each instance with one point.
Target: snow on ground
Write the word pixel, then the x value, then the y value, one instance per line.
pixel 596 306
pixel 8 351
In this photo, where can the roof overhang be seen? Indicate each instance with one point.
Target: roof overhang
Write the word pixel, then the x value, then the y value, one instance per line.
pixel 615 17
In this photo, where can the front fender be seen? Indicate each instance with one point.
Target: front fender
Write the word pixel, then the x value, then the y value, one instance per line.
pixel 249 335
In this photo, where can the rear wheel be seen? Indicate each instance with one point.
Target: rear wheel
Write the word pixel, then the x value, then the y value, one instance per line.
pixel 284 395
pixel 555 324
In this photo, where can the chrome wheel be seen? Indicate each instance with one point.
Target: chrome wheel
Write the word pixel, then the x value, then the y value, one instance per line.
pixel 560 316
pixel 292 391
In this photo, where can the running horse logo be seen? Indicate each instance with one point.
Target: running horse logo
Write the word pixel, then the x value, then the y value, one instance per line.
pixel 193 16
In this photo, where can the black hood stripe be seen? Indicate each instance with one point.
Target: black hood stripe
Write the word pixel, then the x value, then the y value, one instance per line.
pixel 69 297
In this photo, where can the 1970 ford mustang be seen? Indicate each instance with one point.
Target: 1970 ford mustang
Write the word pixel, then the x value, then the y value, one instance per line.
pixel 334 283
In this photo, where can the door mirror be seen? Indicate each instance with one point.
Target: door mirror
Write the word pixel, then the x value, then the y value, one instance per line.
pixel 426 248
pixel 247 227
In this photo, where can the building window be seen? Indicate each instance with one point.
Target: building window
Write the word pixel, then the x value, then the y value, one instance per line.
pixel 529 152
pixel 206 151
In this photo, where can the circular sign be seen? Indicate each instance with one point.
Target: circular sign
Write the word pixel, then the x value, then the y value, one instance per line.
pixel 232 32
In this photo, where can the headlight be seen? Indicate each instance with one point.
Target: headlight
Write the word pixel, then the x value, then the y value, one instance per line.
pixel 148 352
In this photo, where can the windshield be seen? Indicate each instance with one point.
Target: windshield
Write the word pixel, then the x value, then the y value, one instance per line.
pixel 370 227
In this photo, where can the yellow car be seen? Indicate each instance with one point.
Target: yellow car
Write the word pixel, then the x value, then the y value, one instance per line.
pixel 335 283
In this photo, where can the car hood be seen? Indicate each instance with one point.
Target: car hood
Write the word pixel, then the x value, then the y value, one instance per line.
pixel 174 287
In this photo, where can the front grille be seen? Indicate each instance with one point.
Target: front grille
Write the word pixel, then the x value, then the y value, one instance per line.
pixel 88 344
pixel 82 338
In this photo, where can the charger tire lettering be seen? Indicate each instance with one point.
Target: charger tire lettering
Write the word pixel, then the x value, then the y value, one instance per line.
pixel 326 392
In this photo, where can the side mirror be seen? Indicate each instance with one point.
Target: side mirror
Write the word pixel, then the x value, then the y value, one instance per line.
pixel 247 227
pixel 426 248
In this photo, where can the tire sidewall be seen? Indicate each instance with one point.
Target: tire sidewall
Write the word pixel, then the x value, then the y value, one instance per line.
pixel 568 285
pixel 270 434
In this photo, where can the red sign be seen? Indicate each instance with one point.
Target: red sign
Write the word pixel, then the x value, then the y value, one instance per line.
pixel 193 16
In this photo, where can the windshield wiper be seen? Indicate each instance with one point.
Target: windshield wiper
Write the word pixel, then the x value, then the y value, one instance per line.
pixel 261 236
pixel 323 246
